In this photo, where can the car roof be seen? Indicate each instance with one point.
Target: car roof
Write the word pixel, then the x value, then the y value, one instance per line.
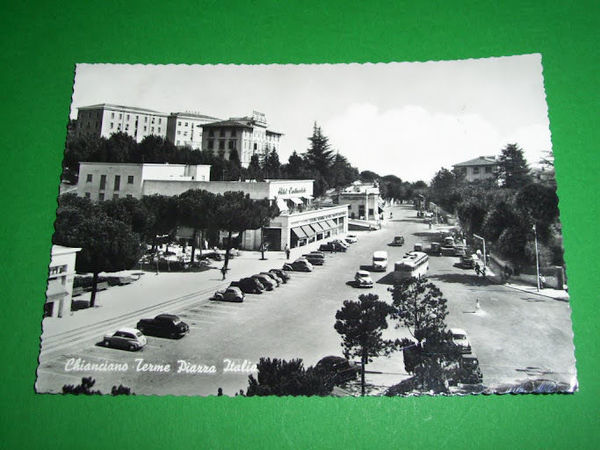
pixel 380 254
pixel 129 330
pixel 234 288
pixel 168 316
pixel 458 331
pixel 363 272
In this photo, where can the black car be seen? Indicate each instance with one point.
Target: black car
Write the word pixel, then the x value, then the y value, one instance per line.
pixel 163 325
pixel 266 281
pixel 281 274
pixel 332 247
pixel 338 369
pixel 273 277
pixel 249 286
pixel 314 259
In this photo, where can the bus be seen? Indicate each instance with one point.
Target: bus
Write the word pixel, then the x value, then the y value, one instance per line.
pixel 380 261
pixel 412 265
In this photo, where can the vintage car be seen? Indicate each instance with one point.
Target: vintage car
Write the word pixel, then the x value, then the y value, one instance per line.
pixel 125 338
pixel 363 279
pixel 300 265
pixel 338 369
pixel 281 274
pixel 418 247
pixel 163 325
pixel 231 294
pixel 332 247
pixel 278 281
pixel 351 239
pixel 340 242
pixel 398 241
pixel 266 281
pixel 435 249
pixel 314 259
pixel 459 337
pixel 249 285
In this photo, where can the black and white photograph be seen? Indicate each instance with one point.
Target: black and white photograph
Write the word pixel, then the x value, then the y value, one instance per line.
pixel 345 230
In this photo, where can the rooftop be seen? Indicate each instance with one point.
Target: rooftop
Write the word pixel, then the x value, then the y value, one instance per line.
pixel 121 107
pixel 193 115
pixel 479 161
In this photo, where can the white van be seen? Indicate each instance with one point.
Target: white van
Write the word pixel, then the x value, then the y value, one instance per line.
pixel 380 261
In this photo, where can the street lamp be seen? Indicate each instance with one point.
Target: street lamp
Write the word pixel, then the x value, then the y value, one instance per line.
pixel 484 254
pixel 537 258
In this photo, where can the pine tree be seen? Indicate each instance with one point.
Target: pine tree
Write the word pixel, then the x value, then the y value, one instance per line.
pixel 319 156
pixel 513 171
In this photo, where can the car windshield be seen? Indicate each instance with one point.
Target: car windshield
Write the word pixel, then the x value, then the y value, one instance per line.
pixel 363 275
pixel 378 259
pixel 459 336
pixel 138 334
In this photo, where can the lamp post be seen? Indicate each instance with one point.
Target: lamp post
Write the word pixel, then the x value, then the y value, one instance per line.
pixel 484 254
pixel 537 258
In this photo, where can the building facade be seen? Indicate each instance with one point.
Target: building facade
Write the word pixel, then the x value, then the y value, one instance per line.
pixel 184 129
pixel 104 120
pixel 108 181
pixel 247 135
pixel 363 200
pixel 480 168
pixel 61 273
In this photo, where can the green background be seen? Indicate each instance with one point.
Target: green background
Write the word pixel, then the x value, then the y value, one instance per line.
pixel 42 42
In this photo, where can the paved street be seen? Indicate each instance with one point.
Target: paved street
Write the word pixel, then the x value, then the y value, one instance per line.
pixel 515 335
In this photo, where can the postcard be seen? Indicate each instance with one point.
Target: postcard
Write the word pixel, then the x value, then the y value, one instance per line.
pixel 387 229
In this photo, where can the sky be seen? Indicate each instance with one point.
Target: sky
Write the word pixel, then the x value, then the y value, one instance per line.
pixel 405 119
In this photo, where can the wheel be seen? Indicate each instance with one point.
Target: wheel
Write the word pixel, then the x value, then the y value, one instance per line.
pixel 105 343
pixel 132 347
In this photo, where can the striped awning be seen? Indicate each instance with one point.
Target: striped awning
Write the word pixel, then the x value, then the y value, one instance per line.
pixel 331 224
pixel 296 201
pixel 308 230
pixel 282 205
pixel 299 233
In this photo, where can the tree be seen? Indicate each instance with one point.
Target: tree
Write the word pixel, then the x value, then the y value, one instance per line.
pixel 130 211
pixel 107 245
pixel 361 323
pixel 236 212
pixel 341 172
pixel 163 216
pixel 513 171
pixel 368 176
pixel 87 383
pixel 319 155
pixel 295 166
pixel 444 189
pixel 196 209
pixel 272 165
pixel 254 168
pixel 419 306
pixel 280 377
pixel 539 202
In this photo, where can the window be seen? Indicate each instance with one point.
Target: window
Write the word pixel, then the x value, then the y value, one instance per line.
pixel 112 125
pixel 101 197
pixel 233 133
pixel 178 132
pixel 117 182
pixel 88 195
pixel 159 129
pixel 112 115
pixel 127 116
pixel 221 145
pixel 211 144
pixel 119 127
pixel 185 133
pixel 89 178
pixel 186 124
pixel 222 132
pixel 120 116
pixel 126 127
pixel 145 119
pixel 231 145
pixel 211 132
pixel 179 123
pixel 115 196
pixel 475 170
pixel 145 127
pixel 152 130
pixel 488 169
pixel 159 120
pixel 102 181
pixel 178 142
pixel 255 146
pixel 130 179
pixel 129 195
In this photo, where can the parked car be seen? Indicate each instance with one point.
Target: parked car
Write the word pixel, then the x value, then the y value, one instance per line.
pixel 418 247
pixel 318 253
pixel 211 254
pixel 249 285
pixel 278 281
pixel 459 337
pixel 281 274
pixel 351 239
pixel 163 325
pixel 338 369
pixel 398 241
pixel 299 266
pixel 470 372
pixel 231 294
pixel 362 278
pixel 435 249
pixel 266 281
pixel 314 259
pixel 468 262
pixel 125 338
pixel 341 242
pixel 332 247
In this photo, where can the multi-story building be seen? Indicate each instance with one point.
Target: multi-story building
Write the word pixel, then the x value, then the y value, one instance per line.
pixel 100 181
pixel 60 281
pixel 185 128
pixel 363 200
pixel 480 168
pixel 299 222
pixel 105 119
pixel 246 135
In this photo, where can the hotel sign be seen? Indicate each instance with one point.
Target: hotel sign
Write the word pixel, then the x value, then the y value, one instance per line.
pixel 291 190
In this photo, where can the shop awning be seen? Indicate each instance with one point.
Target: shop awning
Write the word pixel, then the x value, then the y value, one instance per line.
pixel 331 224
pixel 318 227
pixel 296 201
pixel 282 205
pixel 308 230
pixel 299 233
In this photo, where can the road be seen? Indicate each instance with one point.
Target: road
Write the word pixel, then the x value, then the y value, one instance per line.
pixel 516 336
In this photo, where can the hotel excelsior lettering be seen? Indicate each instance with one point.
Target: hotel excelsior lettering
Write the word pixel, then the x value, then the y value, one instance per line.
pixel 291 190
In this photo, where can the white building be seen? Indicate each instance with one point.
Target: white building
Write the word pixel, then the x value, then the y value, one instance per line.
pixel 105 119
pixel 298 224
pixel 60 281
pixel 100 181
pixel 480 168
pixel 363 200
pixel 185 128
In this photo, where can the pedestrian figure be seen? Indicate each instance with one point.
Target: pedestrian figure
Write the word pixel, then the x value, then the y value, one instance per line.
pixel 287 251
pixel 220 392
pixel 476 269
pixel 483 272
pixel 224 271
pixel 477 306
